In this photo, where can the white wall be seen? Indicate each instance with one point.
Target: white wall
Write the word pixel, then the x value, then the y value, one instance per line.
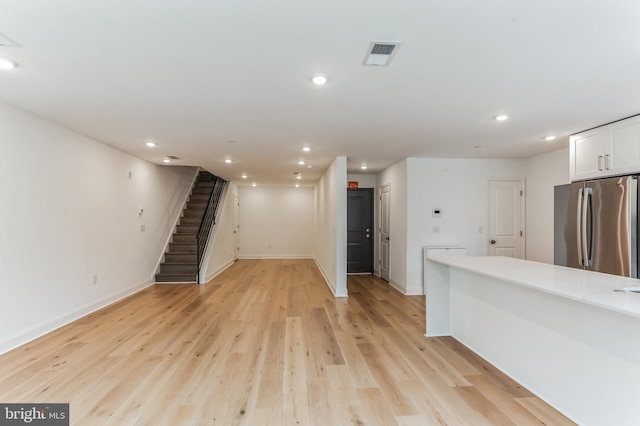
pixel 69 213
pixel 364 180
pixel 220 251
pixel 543 173
pixel 459 188
pixel 396 176
pixel 276 222
pixel 330 220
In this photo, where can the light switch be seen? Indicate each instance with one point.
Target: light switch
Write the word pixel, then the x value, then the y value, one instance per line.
pixel 436 213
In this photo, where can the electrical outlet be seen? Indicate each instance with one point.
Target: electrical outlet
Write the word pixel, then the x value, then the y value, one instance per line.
pixel 95 279
pixel 436 229
pixel 143 228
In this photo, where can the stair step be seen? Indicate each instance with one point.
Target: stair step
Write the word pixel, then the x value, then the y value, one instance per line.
pixel 186 229
pixel 195 205
pixel 201 198
pixel 184 258
pixel 193 214
pixel 205 184
pixel 193 221
pixel 182 248
pixel 206 179
pixel 201 191
pixel 184 239
pixel 178 268
pixel 176 278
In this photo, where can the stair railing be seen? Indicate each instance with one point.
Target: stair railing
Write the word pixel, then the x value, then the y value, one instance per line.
pixel 209 219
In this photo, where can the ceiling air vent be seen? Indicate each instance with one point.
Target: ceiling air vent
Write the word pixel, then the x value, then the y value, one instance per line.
pixel 380 53
pixel 172 157
pixel 7 42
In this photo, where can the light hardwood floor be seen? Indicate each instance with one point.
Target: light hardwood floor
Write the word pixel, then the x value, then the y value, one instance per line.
pixel 265 343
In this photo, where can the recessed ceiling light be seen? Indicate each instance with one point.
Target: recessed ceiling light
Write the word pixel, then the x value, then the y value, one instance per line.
pixel 227 161
pixel 363 167
pixel 549 138
pixel 297 185
pixel 166 160
pixel 501 117
pixel 6 64
pixel 319 79
pixel 301 162
pixel 306 149
pixel 298 177
pixel 253 184
pixel 151 144
pixel 244 176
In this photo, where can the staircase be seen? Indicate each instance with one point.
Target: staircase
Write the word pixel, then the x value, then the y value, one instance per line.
pixel 181 259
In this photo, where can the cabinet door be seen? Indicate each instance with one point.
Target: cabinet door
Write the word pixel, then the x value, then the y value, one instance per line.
pixel 587 150
pixel 624 147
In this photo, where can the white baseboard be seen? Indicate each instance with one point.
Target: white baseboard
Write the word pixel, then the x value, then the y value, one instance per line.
pixel 397 287
pixel 326 280
pixel 219 270
pixel 276 256
pixel 414 292
pixel 25 336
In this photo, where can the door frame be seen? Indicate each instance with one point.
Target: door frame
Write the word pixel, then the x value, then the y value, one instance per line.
pixel 523 223
pixel 379 231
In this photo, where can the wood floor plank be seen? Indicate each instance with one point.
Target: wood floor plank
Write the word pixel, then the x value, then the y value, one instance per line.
pixel 265 343
pixel 544 411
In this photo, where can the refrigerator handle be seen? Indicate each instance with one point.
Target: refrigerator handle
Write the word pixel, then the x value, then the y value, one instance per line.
pixel 585 244
pixel 579 227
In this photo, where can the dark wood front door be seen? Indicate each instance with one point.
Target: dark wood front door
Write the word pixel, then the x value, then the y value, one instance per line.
pixel 359 230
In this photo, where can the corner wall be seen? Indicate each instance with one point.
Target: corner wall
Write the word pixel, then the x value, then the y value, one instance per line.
pixel 543 173
pixel 396 177
pixel 71 239
pixel 330 219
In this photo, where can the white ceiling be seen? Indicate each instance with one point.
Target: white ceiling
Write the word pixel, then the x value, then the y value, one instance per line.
pixel 193 75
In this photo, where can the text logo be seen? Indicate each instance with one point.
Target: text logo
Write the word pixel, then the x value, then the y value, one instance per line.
pixel 34 414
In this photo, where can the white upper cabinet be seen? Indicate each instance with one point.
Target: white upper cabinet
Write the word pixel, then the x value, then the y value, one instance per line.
pixel 608 150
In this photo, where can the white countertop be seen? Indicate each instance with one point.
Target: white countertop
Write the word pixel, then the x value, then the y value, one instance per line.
pixel 584 286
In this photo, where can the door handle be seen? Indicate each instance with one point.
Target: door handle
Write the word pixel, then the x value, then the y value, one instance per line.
pixel 493 241
pixel 387 238
pixel 579 227
pixel 585 244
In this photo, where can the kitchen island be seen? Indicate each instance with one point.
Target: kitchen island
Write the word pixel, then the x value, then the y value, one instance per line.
pixel 563 333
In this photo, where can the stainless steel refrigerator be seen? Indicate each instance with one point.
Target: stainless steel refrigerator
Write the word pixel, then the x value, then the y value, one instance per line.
pixel 596 225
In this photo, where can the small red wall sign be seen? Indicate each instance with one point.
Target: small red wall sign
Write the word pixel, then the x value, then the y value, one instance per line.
pixel 353 185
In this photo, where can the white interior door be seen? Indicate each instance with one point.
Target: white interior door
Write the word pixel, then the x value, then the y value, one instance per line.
pixel 383 262
pixel 506 218
pixel 236 227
